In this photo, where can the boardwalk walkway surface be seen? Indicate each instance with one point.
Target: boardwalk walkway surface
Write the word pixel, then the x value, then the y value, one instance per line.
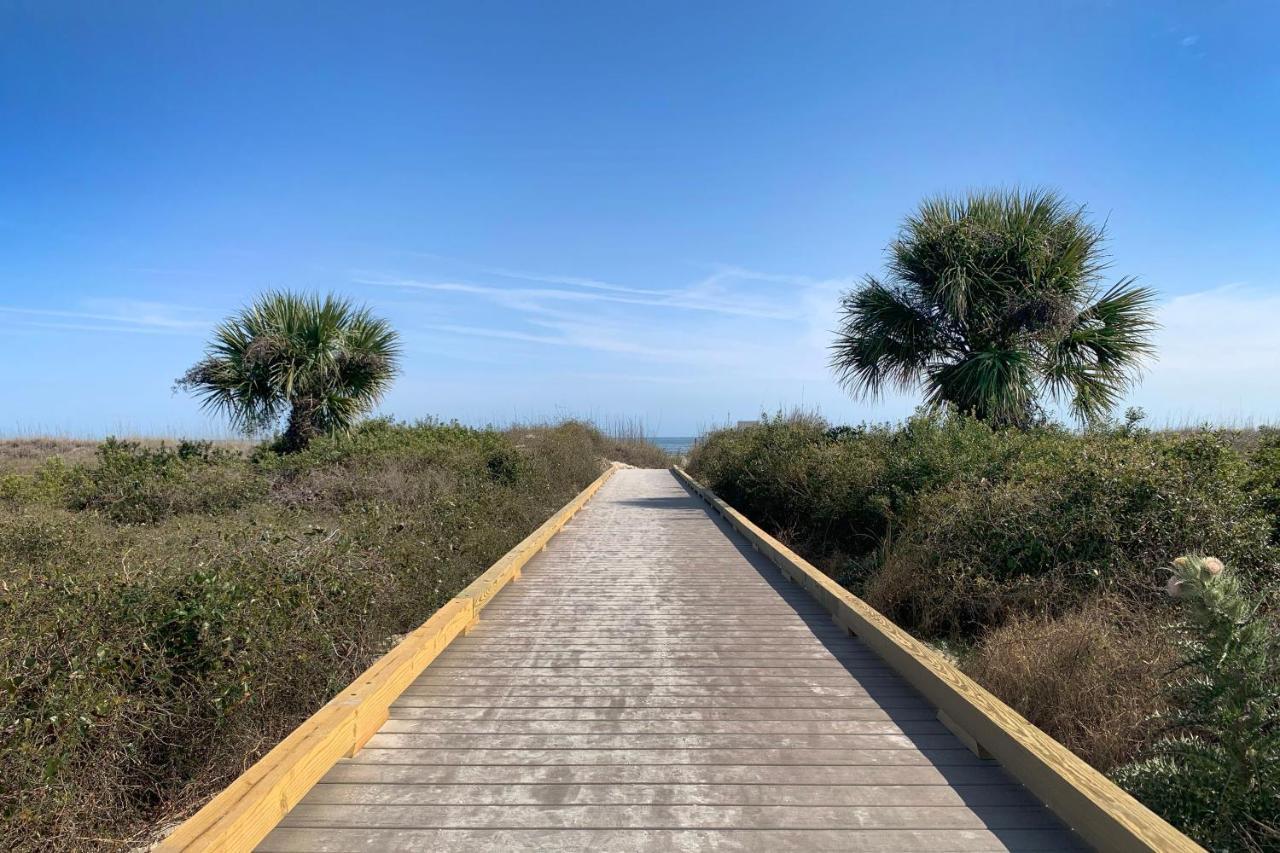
pixel 654 684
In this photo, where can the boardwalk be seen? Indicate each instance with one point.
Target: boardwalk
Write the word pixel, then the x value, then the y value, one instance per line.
pixel 654 684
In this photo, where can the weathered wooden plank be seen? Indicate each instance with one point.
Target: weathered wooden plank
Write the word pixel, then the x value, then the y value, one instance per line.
pixel 764 683
pixel 665 727
pixel 475 816
pixel 640 700
pixel 639 667
pixel 959 756
pixel 633 741
pixel 850 690
pixel 338 840
pixel 972 773
pixel 901 796
pixel 620 715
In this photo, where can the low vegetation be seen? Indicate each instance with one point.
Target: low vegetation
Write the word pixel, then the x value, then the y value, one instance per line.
pixel 1039 558
pixel 171 612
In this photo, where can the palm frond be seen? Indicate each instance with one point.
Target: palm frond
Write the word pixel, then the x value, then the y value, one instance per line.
pixel 1099 357
pixel 995 385
pixel 886 337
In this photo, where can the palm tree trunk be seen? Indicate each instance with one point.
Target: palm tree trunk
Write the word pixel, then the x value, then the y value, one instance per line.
pixel 302 426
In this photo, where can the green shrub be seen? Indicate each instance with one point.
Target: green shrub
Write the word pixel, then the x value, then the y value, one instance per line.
pixel 1264 479
pixel 823 491
pixel 952 527
pixel 136 484
pixel 1068 517
pixel 50 483
pixel 1216 772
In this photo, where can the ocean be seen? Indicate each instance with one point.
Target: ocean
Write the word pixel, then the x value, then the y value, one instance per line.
pixel 676 444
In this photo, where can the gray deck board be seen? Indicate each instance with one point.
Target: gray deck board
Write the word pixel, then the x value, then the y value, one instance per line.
pixel 654 684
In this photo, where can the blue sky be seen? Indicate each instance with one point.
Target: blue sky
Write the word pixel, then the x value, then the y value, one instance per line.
pixel 606 209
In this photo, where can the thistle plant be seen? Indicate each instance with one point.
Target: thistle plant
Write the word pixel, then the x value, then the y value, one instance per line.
pixel 1216 771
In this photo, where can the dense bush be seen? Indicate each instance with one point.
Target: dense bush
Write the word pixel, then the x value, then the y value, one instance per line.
pixel 839 492
pixel 1264 478
pixel 952 527
pixel 1066 518
pixel 133 483
pixel 170 613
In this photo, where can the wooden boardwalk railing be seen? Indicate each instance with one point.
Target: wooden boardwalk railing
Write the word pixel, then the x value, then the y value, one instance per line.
pixel 657 683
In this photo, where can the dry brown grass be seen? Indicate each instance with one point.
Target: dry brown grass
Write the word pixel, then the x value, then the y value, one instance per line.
pixel 25 455
pixel 624 443
pixel 1091 678
pixel 640 453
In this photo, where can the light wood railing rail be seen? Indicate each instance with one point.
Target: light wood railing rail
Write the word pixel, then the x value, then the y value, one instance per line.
pixel 244 812
pixel 1097 809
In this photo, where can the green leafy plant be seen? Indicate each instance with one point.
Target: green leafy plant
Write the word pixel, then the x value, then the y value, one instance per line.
pixel 1216 772
pixel 991 302
pixel 135 484
pixel 1265 479
pixel 323 361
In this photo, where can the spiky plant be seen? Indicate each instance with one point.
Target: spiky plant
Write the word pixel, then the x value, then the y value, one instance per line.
pixel 324 362
pixel 1216 772
pixel 991 303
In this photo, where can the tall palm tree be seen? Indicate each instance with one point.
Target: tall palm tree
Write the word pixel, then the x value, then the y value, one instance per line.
pixel 323 361
pixel 991 303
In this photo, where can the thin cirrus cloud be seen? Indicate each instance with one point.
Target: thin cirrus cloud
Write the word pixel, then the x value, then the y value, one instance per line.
pixel 615 339
pixel 648 352
pixel 109 315
pixel 532 299
pixel 545 278
pixel 733 324
pixel 729 290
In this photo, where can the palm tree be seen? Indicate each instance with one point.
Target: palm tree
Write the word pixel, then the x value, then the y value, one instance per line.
pixel 324 361
pixel 991 303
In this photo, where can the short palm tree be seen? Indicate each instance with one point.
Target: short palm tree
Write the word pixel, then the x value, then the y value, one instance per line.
pixel 323 361
pixel 991 303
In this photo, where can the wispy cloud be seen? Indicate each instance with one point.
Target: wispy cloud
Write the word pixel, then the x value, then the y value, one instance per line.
pixel 544 278
pixel 111 315
pixel 572 281
pixel 729 326
pixel 1219 354
pixel 703 296
pixel 501 334
pixel 586 336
